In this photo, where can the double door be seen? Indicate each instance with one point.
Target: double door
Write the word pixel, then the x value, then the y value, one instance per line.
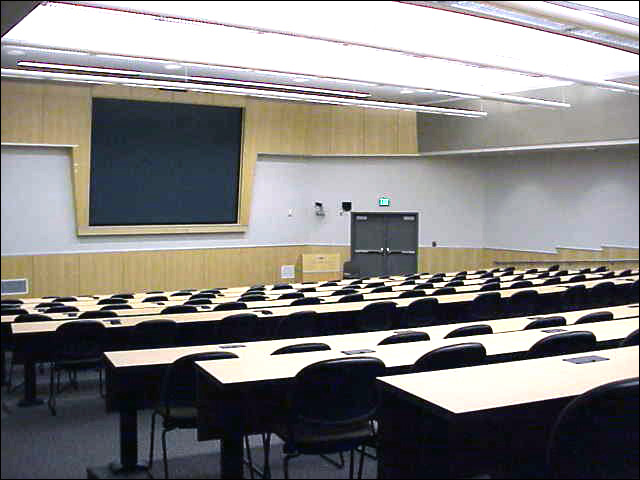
pixel 384 243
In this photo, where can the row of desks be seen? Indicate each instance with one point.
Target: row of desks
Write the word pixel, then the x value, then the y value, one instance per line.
pixel 326 294
pixel 226 385
pixel 463 294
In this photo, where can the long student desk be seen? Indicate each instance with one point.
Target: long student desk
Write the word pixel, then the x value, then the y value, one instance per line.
pixel 133 376
pixel 333 301
pixel 326 294
pixel 453 420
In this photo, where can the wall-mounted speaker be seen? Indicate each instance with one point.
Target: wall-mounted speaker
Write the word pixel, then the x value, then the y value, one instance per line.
pixel 346 206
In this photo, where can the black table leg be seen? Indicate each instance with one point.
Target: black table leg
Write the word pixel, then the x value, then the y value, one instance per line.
pixel 128 443
pixel 30 399
pixel 231 450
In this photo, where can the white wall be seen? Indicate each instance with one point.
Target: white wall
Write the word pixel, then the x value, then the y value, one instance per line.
pixel 583 199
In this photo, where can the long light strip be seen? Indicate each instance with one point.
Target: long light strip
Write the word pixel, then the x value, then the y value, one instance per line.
pixel 56 66
pixel 112 6
pixel 244 91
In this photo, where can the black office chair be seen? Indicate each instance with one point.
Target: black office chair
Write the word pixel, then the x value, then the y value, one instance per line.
pixel 306 290
pixel 65 299
pixel 490 286
pixel 408 282
pixel 198 301
pixel 575 298
pixel 117 307
pixel 17 358
pixel 517 278
pixel 625 273
pixel 158 333
pixel 595 317
pixel 552 281
pixel 306 301
pixel 486 275
pixel 405 337
pixel 92 314
pixel 329 284
pixel 595 436
pixel 255 290
pixel 634 292
pixel 422 312
pixel 344 291
pixel 561 273
pixel 444 291
pixel 128 296
pixel 173 309
pixel 239 327
pixel 543 275
pixel 546 322
pixel 630 340
pixel 412 293
pixel 608 275
pixel 451 356
pixel 330 409
pixel 230 306
pixel 177 407
pixel 486 306
pixel 564 343
pixel 374 284
pixel 479 272
pixel 12 302
pixel 553 268
pixel 112 301
pixel 454 283
pixel 77 345
pixel 578 278
pixel 154 292
pixel 44 305
pixel 424 286
pixel 601 268
pixel 15 311
pixel 212 291
pixel 281 286
pixel 291 296
pixel 521 304
pixel 386 288
pixel 64 309
pixel 531 271
pixel 469 330
pixel 377 316
pixel 252 298
pixel 522 284
pixel 415 276
pixel 355 297
pixel 181 294
pixel 298 324
pixel 197 296
pixel 602 294
pixel 301 348
pixel 156 298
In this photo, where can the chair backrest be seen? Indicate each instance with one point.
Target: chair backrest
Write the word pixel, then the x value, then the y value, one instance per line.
pixel 354 297
pixel 578 278
pixel 405 337
pixel 485 306
pixel 424 286
pixel 47 305
pixel 490 286
pixel 336 392
pixel 596 434
pixel 156 298
pixel 630 340
pixel 561 273
pixel 480 272
pixel 154 292
pixel 307 289
pixel 409 282
pixel 531 270
pixel 451 356
pixel 171 309
pixel 252 298
pixel 98 314
pixel 214 291
pixel 281 286
pixel 11 301
pixel 374 284
pixel 238 327
pixel 181 294
pixel 522 303
pixel 123 295
pixel 198 301
pixel 291 295
pixel 16 311
pixel 124 306
pixel 179 380
pixel 329 284
pixel 386 288
pixel 454 283
pixel 522 284
pixel 551 281
pixel 157 333
pixel 625 273
pixel 543 275
pixel 31 317
pixel 575 297
pixel 344 291
pixel 201 295
pixel 556 321
pixel 564 343
pixel 79 340
pixel 112 301
pixel 424 311
pixel 516 278
pixel 601 268
pixel 468 330
pixel 608 275
pixel 65 299
pixel 63 309
pixel 487 275
pixel 231 306
pixel 298 324
pixel 376 316
pixel 412 293
pixel 595 317
pixel 306 301
pixel 444 291
pixel 553 268
pixel 602 294
pixel 302 347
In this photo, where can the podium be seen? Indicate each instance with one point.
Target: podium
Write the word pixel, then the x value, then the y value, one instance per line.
pixel 318 267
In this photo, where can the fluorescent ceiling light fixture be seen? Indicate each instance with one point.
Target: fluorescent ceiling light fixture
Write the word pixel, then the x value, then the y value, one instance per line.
pixel 173 66
pixel 79 68
pixel 13 73
pixel 394 27
pixel 52 50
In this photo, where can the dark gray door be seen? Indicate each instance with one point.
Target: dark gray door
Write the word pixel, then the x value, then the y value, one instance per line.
pixel 384 243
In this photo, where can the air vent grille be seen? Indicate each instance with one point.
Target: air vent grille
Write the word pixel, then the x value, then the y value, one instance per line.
pixel 19 286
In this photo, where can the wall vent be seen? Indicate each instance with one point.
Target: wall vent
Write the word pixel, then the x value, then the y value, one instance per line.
pixel 19 286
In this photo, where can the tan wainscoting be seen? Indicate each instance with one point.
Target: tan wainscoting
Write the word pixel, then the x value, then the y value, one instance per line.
pixel 447 259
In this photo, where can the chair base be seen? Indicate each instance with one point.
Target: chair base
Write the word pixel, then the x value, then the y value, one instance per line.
pixel 117 468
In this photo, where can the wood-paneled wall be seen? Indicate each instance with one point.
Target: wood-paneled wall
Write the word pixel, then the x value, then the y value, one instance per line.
pixel 101 273
pixel 49 113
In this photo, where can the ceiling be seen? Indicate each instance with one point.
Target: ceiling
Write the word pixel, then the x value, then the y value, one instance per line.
pixel 385 54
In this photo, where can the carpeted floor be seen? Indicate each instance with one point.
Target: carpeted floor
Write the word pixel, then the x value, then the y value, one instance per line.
pixel 36 444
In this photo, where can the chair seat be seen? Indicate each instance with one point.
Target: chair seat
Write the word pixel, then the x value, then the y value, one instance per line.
pixel 179 417
pixel 316 439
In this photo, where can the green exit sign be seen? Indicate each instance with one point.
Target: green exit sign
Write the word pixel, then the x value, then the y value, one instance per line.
pixel 384 202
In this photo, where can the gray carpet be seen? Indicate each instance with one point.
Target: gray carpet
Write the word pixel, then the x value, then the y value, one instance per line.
pixel 36 444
